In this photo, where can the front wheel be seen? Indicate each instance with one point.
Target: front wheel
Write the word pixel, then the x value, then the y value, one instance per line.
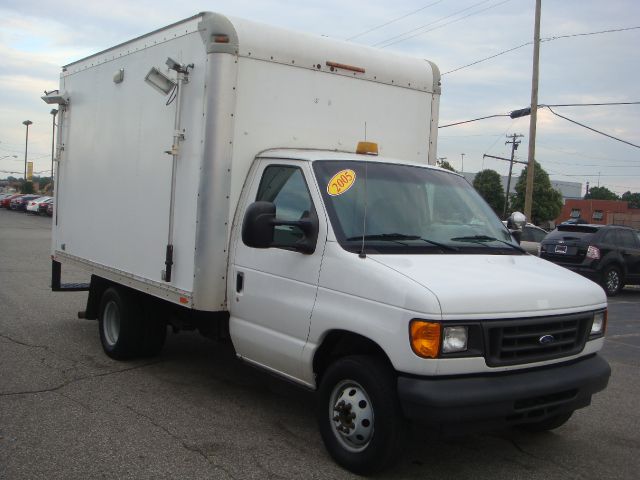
pixel 612 280
pixel 359 415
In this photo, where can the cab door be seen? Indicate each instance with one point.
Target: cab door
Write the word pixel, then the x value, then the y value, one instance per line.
pixel 273 290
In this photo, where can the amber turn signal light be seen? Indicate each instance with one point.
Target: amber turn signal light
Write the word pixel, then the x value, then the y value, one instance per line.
pixel 425 338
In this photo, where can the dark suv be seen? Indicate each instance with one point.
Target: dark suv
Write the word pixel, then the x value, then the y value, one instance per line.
pixel 607 254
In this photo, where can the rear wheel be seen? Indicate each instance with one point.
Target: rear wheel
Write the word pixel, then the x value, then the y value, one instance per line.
pixel 127 329
pixel 359 414
pixel 612 280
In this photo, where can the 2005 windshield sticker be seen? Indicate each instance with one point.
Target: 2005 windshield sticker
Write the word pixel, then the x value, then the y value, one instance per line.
pixel 341 182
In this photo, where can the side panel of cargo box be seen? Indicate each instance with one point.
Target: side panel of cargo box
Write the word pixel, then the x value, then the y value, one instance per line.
pixel 114 175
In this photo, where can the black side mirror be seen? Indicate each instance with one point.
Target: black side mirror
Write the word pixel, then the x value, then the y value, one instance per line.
pixel 259 225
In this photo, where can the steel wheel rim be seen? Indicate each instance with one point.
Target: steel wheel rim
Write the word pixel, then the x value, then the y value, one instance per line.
pixel 111 323
pixel 351 415
pixel 613 280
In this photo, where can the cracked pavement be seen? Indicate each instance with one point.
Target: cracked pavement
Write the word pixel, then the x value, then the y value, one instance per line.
pixel 69 412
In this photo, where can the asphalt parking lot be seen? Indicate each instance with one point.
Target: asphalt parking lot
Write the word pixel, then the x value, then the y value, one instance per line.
pixel 68 411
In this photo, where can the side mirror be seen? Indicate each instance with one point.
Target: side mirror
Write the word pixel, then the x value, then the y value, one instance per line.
pixel 258 228
pixel 515 224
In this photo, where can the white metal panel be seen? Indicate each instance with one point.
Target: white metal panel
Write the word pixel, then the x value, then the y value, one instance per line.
pixel 114 177
pixel 285 106
pixel 303 50
pixel 498 286
pixel 378 296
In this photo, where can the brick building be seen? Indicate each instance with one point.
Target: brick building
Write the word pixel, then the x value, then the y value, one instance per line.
pixel 603 212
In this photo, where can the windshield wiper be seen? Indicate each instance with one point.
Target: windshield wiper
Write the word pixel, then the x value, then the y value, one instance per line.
pixel 485 238
pixel 398 237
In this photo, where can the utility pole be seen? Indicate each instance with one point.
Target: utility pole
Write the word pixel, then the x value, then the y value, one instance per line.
pixel 514 146
pixel 528 199
pixel 26 123
pixel 462 155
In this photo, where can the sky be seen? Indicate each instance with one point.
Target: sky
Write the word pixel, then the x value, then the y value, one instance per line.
pixel 38 37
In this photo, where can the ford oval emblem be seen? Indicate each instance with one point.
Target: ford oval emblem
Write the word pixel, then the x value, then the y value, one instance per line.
pixel 546 339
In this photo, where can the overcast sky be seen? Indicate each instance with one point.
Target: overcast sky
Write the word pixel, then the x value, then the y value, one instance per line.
pixel 37 38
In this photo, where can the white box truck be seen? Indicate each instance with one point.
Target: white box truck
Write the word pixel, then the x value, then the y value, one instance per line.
pixel 210 176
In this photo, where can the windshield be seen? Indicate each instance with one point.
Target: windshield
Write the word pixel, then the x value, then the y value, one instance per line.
pixel 409 209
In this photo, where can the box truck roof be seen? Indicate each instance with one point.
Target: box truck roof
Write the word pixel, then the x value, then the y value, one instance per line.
pixel 245 38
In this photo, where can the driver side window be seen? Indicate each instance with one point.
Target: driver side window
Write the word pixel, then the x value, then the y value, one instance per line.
pixel 285 187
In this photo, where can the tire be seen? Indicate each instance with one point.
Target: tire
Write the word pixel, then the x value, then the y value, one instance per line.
pixel 121 323
pixel 612 281
pixel 547 424
pixel 359 415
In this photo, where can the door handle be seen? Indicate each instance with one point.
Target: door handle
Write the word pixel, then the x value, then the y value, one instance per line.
pixel 239 282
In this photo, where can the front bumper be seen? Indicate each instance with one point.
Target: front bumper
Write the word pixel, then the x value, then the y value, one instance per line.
pixel 499 400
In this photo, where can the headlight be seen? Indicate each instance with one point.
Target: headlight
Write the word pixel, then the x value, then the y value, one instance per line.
pixel 599 323
pixel 454 339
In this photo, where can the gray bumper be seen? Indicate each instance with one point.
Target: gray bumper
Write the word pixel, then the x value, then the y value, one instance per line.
pixel 503 399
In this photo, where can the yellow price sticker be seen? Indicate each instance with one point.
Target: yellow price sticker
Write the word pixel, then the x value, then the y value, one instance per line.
pixel 341 182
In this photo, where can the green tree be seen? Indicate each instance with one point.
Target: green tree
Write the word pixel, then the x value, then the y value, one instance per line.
pixel 601 193
pixel 489 186
pixel 547 201
pixel 632 198
pixel 446 165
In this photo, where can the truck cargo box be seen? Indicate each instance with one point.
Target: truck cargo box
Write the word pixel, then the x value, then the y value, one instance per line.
pixel 248 87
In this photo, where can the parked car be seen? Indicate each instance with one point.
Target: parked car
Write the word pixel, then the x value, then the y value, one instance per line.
pixel 6 201
pixel 42 206
pixel 50 208
pixel 20 203
pixel 32 206
pixel 607 254
pixel 531 238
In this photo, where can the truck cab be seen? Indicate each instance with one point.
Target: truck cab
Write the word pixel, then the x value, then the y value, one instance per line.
pixel 394 290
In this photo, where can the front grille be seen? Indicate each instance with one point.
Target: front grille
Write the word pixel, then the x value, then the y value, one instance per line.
pixel 545 405
pixel 527 340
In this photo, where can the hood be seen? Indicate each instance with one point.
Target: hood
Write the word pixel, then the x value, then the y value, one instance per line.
pixel 497 285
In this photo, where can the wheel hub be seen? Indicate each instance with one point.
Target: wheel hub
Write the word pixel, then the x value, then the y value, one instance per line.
pixel 111 325
pixel 352 415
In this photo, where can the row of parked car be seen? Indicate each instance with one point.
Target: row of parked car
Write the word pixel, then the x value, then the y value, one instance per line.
pixel 30 203
pixel 607 254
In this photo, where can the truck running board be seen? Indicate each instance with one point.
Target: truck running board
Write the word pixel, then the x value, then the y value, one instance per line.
pixel 57 286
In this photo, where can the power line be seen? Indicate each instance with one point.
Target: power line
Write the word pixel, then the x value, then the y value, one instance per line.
pixel 550 39
pixel 526 111
pixel 590 104
pixel 547 39
pixel 474 120
pixel 394 20
pixel 487 58
pixel 397 38
pixel 592 129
